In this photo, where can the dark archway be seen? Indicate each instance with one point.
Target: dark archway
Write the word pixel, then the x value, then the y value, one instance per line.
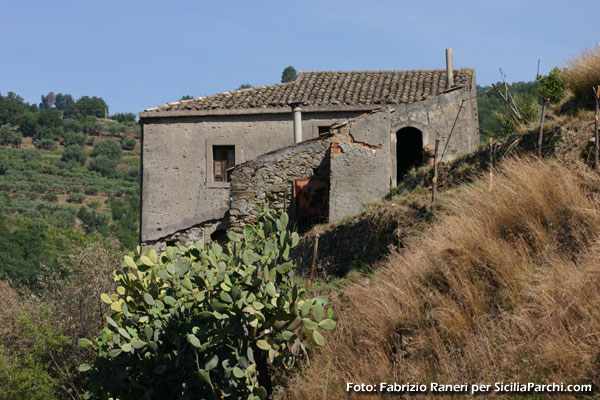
pixel 409 150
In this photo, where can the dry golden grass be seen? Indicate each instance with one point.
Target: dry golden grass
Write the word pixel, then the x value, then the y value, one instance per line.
pixel 583 73
pixel 506 287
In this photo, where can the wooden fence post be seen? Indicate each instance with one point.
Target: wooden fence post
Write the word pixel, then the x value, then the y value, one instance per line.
pixel 596 97
pixel 541 135
pixel 314 262
pixel 435 174
pixel 491 163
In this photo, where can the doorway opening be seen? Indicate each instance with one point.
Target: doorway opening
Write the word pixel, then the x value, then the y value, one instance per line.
pixel 409 150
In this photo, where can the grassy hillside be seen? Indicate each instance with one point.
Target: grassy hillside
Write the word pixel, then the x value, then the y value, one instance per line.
pixel 67 178
pixel 503 288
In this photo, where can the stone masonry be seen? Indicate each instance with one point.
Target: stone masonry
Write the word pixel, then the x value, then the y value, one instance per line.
pixel 269 179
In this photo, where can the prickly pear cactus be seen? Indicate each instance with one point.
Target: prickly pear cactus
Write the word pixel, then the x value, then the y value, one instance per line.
pixel 206 321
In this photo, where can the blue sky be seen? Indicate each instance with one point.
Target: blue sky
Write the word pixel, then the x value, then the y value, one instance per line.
pixel 139 54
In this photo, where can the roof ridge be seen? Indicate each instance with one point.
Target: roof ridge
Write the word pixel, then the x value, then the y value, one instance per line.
pixel 331 88
pixel 381 70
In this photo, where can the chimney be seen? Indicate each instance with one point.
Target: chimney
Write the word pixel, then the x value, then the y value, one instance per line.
pixel 297 123
pixel 449 70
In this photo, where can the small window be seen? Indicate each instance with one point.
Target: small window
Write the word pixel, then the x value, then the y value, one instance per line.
pixel 323 129
pixel 223 159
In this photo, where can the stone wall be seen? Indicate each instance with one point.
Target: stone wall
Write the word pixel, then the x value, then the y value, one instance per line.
pixel 269 179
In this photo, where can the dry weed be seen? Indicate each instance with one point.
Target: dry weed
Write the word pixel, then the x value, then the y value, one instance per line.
pixel 505 288
pixel 583 73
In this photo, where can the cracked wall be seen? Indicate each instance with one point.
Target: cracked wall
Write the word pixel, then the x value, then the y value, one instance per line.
pixel 359 165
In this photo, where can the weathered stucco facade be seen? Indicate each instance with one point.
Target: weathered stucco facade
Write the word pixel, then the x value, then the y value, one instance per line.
pixel 179 191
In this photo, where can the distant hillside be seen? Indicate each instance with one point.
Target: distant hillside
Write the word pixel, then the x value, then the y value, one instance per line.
pixel 68 176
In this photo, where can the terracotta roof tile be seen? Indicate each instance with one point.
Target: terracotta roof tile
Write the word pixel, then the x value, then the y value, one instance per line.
pixel 331 88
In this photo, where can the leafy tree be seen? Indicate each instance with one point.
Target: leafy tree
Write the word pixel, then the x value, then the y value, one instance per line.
pixel 123 117
pixel 125 214
pixel 186 97
pixel 12 106
pixel 28 124
pixel 46 144
pixel 63 101
pixel 289 74
pixel 88 106
pixel 206 322
pixel 90 125
pixel 74 153
pixel 245 86
pixel 70 138
pixel 128 142
pixel 76 198
pixel 133 174
pixel 10 137
pixel 93 221
pixel 551 86
pixel 47 101
pixel 50 118
pixel 105 165
pixel 108 148
pixel 4 163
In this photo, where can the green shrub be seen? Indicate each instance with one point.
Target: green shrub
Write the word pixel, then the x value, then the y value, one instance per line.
pixel 26 371
pixel 4 163
pixel 10 137
pixel 50 118
pixel 90 125
pixel 63 217
pixel 74 153
pixel 105 165
pixel 528 108
pixel 108 148
pixel 91 190
pixel 133 174
pixel 94 205
pixel 123 117
pixel 128 142
pixel 16 139
pixel 71 138
pixel 206 322
pixel 72 125
pixel 51 197
pixel 551 86
pixel 46 144
pixel 93 221
pixel 76 198
pixel 28 124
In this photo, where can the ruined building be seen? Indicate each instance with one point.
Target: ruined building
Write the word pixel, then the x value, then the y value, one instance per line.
pixel 319 147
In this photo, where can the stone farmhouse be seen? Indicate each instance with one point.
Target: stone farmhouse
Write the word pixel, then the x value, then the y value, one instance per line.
pixel 320 147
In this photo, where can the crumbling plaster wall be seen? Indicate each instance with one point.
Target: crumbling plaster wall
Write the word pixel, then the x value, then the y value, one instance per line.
pixel 360 165
pixel 450 117
pixel 175 194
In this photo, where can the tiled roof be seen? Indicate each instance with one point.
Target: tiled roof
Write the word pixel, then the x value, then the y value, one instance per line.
pixel 330 88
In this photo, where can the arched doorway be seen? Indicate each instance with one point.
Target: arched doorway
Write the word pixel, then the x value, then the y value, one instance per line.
pixel 409 150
